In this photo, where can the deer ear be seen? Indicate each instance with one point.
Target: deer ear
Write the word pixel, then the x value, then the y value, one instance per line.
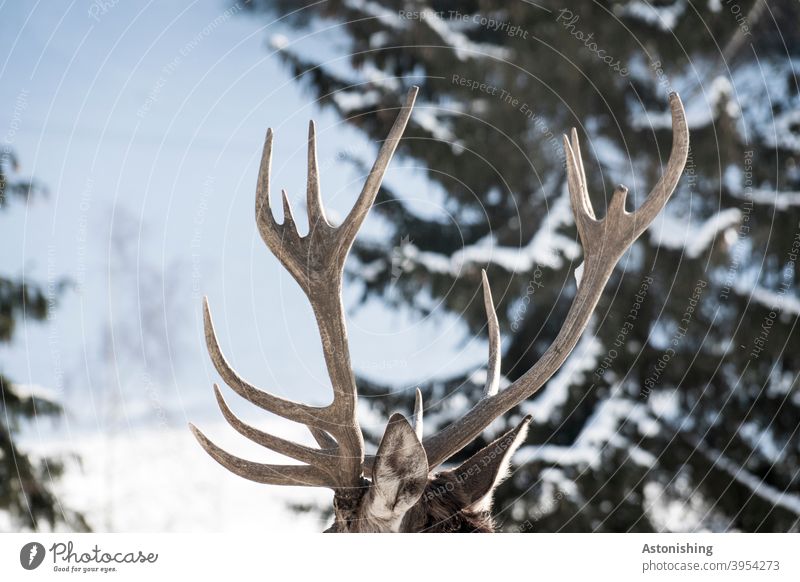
pixel 482 472
pixel 400 472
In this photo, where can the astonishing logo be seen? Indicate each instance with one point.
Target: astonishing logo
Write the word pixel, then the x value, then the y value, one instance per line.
pixel 31 555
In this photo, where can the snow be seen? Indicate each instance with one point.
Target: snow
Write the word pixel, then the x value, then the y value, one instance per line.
pixel 789 304
pixel 464 48
pixel 427 119
pixel 784 133
pixel 35 391
pixel 579 274
pixel 160 479
pixel 278 42
pixel 674 515
pixel 349 101
pixel 700 111
pixel 781 200
pixel 603 426
pixel 478 377
pixel 763 441
pixel 555 394
pixel 677 233
pixel 665 404
pixel 557 478
pixel 390 18
pixel 663 17
pixel 547 248
pixel 777 498
pixel 558 455
pixel 600 431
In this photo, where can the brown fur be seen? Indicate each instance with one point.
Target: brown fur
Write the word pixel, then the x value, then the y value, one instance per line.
pixel 444 507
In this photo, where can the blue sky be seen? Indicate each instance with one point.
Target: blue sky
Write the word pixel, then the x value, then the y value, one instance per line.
pixel 145 123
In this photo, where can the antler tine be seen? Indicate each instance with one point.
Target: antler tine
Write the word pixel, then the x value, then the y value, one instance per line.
pixel 324 440
pixel 365 200
pixel 288 409
pixel 300 475
pixel 604 242
pixel 288 215
pixel 314 206
pixel 288 448
pixel 493 367
pixel 267 225
pixel 417 418
pixel 669 179
pixel 582 208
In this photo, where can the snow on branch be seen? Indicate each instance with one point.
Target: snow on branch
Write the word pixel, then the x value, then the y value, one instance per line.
pixel 390 18
pixel 701 111
pixel 663 17
pixel 463 47
pixel 772 495
pixel 772 300
pixel 555 394
pixel 679 234
pixel 547 248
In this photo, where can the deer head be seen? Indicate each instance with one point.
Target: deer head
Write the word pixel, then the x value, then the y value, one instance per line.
pixel 399 488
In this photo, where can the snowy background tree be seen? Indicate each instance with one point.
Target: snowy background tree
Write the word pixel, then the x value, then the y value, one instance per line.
pixel 27 499
pixel 678 409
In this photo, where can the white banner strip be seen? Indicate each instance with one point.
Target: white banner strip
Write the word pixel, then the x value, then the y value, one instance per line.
pixel 618 557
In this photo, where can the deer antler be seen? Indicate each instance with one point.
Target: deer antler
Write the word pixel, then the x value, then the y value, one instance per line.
pixel 604 242
pixel 316 262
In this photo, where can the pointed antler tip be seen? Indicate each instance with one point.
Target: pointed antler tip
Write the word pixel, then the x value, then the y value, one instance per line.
pixel 412 96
